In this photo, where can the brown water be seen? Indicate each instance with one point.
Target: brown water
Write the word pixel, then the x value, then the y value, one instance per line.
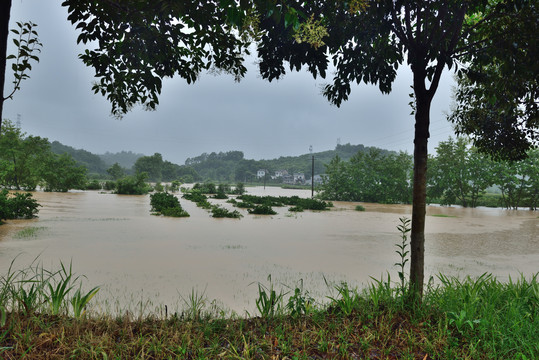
pixel 134 256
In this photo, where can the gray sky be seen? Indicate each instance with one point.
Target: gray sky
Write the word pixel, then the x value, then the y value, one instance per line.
pixel 264 120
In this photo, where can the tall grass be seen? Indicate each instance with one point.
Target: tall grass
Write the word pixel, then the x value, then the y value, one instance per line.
pixel 35 289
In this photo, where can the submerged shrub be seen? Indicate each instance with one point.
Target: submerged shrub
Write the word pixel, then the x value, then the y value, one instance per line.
pixel 17 206
pixel 167 205
pixel 220 212
pixel 360 208
pixel 93 185
pixel 221 192
pixel 206 188
pixel 239 189
pixel 133 185
pixel 197 197
pixel 109 185
pixel 175 212
pixel 262 210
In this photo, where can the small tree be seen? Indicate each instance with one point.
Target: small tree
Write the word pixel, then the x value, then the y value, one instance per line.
pixel 116 171
pixel 22 157
pixel 17 206
pixel 133 185
pixel 61 173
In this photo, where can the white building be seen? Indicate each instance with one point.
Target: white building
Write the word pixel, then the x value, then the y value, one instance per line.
pixel 261 173
pixel 299 178
pixel 280 174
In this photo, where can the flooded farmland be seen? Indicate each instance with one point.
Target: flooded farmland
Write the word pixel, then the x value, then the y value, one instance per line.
pixel 138 258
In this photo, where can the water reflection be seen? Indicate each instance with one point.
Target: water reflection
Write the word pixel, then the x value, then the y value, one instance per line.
pixel 116 243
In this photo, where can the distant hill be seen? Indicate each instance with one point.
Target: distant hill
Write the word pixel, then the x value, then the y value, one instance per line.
pixel 230 166
pixel 97 164
pixel 126 159
pixel 92 162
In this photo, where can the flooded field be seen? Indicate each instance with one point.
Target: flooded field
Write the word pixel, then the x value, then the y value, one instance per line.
pixel 136 257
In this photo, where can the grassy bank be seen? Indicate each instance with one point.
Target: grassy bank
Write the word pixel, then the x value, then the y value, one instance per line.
pixel 43 316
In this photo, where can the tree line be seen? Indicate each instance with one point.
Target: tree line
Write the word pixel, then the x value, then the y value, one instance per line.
pixel 458 174
pixel 27 162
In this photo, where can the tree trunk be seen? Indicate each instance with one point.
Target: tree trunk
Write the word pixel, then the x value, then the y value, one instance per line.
pixel 5 8
pixel 417 238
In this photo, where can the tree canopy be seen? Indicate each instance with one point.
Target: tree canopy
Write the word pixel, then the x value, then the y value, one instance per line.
pixel 497 96
pixel 138 43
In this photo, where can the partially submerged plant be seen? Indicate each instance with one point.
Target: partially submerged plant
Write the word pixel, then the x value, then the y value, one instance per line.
pixel 79 301
pixel 348 300
pixel 301 302
pixel 402 250
pixel 269 302
pixel 195 304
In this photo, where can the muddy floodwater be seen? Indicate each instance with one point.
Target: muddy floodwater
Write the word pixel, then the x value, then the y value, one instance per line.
pixel 138 258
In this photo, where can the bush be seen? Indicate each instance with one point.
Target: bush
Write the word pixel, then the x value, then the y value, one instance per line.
pixel 307 204
pixel 197 197
pixel 159 187
pixel 93 185
pixel 262 210
pixel 174 186
pixel 296 209
pixel 221 191
pixel 360 208
pixel 220 212
pixel 167 205
pixel 17 206
pixel 244 205
pixel 162 200
pixel 109 185
pixel 133 185
pixel 206 188
pixel 239 189
pixel 175 212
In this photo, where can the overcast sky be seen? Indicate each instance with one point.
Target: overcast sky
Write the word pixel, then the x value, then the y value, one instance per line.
pixel 264 120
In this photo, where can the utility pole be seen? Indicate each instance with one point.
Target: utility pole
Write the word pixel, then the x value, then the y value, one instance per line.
pixel 312 171
pixel 312 178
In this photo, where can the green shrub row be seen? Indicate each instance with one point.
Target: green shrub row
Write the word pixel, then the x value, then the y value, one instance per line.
pixel 307 204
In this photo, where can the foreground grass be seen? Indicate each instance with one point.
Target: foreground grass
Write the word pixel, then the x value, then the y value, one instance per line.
pixel 458 319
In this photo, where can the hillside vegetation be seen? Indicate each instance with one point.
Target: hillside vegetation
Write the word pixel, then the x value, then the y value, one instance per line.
pixel 230 166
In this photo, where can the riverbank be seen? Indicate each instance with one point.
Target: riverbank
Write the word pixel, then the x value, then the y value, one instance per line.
pixel 480 318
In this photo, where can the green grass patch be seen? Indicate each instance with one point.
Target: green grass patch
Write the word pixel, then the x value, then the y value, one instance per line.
pixel 443 216
pixel 29 232
pixel 360 208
